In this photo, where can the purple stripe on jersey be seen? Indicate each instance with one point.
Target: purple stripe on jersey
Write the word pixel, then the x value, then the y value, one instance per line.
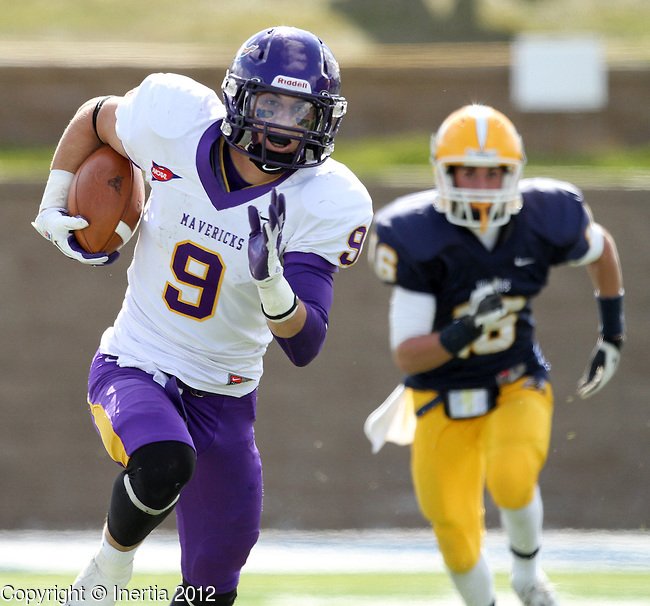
pixel 311 259
pixel 211 184
pixel 312 279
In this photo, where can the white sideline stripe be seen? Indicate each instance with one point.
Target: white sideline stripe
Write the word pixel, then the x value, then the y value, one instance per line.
pixel 321 552
pixel 450 600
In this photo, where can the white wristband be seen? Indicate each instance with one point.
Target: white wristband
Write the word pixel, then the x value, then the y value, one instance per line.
pixel 56 190
pixel 279 302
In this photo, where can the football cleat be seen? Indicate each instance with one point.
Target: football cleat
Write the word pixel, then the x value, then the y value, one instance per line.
pixel 538 593
pixel 94 588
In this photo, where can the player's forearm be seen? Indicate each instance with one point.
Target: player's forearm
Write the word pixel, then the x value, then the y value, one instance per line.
pixel 291 327
pixel 420 354
pixel 302 336
pixel 303 347
pixel 605 273
pixel 78 140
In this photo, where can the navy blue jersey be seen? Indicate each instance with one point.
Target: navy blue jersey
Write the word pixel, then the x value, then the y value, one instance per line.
pixel 433 256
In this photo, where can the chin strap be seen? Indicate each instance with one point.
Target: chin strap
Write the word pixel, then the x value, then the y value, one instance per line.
pixel 269 167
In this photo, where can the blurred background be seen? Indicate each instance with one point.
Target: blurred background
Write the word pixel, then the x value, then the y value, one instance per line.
pixel 574 76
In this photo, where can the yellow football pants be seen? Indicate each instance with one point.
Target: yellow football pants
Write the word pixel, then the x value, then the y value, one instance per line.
pixel 452 461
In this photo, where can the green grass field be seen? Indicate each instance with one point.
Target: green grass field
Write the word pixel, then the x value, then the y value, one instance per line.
pixel 402 156
pixel 230 21
pixel 624 25
pixel 379 589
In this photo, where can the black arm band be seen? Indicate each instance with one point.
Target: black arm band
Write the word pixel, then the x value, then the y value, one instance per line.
pixel 459 334
pixel 98 106
pixel 282 316
pixel 612 317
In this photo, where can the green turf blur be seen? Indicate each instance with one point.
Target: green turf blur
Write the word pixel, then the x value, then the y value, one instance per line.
pixel 339 589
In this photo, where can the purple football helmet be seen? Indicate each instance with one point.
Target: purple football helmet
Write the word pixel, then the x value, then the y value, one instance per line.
pixel 288 63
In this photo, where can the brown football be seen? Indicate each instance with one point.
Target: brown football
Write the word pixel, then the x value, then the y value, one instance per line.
pixel 107 191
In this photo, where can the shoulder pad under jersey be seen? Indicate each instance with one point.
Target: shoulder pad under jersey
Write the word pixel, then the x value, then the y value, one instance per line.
pixel 175 104
pixel 332 189
pixel 413 227
pixel 329 212
pixel 554 209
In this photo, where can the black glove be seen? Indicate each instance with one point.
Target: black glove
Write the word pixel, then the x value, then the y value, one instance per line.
pixel 485 310
pixel 485 307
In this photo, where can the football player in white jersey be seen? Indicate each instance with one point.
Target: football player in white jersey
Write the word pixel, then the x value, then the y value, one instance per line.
pixel 247 222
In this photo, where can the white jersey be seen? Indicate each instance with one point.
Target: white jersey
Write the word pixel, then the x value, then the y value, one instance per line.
pixel 191 309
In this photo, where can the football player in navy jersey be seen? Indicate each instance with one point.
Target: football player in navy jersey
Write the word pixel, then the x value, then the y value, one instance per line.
pixel 465 261
pixel 248 221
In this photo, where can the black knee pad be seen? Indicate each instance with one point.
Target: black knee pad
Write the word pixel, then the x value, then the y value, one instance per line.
pixel 188 595
pixel 157 472
pixel 145 492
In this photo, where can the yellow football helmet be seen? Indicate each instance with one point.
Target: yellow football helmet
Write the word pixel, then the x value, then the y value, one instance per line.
pixel 477 135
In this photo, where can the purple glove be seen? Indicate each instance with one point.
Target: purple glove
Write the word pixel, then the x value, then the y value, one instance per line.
pixel 100 258
pixel 264 240
pixel 279 302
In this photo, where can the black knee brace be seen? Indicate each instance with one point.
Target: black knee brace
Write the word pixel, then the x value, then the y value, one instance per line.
pixel 187 595
pixel 146 491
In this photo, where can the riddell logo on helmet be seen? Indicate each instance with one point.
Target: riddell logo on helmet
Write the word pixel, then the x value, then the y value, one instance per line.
pixel 291 84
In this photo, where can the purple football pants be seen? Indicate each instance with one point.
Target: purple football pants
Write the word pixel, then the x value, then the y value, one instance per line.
pixel 218 513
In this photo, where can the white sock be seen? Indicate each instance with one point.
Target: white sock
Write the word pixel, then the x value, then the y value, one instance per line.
pixel 112 562
pixel 524 529
pixel 476 586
